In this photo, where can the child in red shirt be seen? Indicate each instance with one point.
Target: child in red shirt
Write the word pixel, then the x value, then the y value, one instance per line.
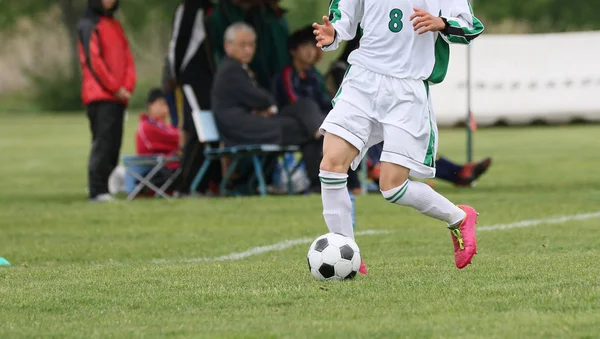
pixel 154 135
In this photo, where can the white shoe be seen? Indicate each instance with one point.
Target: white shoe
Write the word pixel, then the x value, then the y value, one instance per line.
pixel 103 198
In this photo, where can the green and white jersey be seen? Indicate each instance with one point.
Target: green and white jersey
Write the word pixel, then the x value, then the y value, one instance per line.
pixel 390 46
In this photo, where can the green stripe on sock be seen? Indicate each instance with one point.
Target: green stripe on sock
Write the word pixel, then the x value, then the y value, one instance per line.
pixel 400 190
pixel 330 181
pixel 402 193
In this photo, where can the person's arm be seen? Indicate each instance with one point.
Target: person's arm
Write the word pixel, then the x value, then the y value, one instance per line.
pixel 130 75
pixel 461 25
pixel 288 86
pixel 344 15
pixel 90 43
pixel 242 90
pixel 278 90
pixel 159 140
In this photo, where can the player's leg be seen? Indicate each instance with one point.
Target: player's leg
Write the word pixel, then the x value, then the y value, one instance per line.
pixel 397 188
pixel 448 171
pixel 337 206
pixel 461 175
pixel 347 130
pixel 338 154
pixel 410 144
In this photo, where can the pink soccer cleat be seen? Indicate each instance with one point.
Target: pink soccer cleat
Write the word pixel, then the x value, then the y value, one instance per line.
pixel 463 237
pixel 363 268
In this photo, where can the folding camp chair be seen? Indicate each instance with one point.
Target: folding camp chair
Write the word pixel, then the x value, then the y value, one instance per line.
pixel 206 127
pixel 144 168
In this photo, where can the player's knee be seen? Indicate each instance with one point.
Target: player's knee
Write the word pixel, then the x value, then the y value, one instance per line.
pixel 337 154
pixel 335 165
pixel 392 176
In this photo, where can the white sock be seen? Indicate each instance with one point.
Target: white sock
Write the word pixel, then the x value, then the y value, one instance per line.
pixel 337 207
pixel 425 200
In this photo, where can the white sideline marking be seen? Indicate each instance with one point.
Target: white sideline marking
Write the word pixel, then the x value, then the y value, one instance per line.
pixel 535 222
pixel 280 246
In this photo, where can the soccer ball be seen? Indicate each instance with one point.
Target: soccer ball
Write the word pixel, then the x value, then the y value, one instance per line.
pixel 333 256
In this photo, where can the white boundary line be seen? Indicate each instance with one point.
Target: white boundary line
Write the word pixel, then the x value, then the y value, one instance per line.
pixel 280 246
pixel 535 222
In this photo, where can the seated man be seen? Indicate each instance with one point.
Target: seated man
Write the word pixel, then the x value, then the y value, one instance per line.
pixel 247 114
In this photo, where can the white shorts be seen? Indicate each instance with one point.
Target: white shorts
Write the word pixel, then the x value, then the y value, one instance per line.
pixel 370 108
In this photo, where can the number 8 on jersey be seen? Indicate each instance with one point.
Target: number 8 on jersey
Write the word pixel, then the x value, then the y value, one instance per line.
pixel 395 24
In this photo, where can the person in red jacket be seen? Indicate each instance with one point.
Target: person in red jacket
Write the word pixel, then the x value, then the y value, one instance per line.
pixel 154 135
pixel 108 81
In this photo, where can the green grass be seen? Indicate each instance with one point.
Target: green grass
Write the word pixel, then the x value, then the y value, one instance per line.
pixel 86 270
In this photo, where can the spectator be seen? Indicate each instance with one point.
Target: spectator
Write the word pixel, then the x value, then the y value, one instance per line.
pixel 108 82
pixel 300 78
pixel 191 63
pixel 154 135
pixel 269 23
pixel 247 114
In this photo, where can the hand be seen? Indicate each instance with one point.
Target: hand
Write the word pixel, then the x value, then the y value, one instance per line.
pixel 264 114
pixel 426 22
pixel 269 112
pixel 123 94
pixel 325 33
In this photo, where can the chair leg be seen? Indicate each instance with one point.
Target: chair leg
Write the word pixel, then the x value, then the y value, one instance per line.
pixel 138 188
pixel 253 178
pixel 145 181
pixel 288 172
pixel 225 180
pixel 364 176
pixel 200 175
pixel 259 175
pixel 170 181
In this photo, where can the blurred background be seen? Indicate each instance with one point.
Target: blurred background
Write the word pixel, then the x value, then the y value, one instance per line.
pixel 39 70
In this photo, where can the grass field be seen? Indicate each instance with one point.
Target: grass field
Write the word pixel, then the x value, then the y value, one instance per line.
pixel 144 269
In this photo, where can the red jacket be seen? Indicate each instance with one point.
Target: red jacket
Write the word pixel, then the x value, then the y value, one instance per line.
pixel 105 57
pixel 156 137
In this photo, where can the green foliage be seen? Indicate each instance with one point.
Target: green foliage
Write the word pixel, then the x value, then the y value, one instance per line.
pixel 302 13
pixel 11 11
pixel 56 89
pixel 544 15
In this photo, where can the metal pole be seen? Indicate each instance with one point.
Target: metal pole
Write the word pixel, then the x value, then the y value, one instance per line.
pixel 468 117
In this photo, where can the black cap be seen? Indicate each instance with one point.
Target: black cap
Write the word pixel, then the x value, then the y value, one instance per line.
pixel 153 95
pixel 300 37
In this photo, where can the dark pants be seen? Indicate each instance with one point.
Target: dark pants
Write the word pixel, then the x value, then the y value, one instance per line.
pixel 300 121
pixel 193 151
pixel 106 125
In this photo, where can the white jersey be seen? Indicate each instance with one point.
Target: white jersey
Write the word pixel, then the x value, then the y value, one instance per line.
pixel 390 46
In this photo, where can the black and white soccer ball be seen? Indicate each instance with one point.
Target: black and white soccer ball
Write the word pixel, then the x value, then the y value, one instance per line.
pixel 333 256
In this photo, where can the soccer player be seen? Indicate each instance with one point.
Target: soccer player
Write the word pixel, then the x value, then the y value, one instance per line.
pixel 385 97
